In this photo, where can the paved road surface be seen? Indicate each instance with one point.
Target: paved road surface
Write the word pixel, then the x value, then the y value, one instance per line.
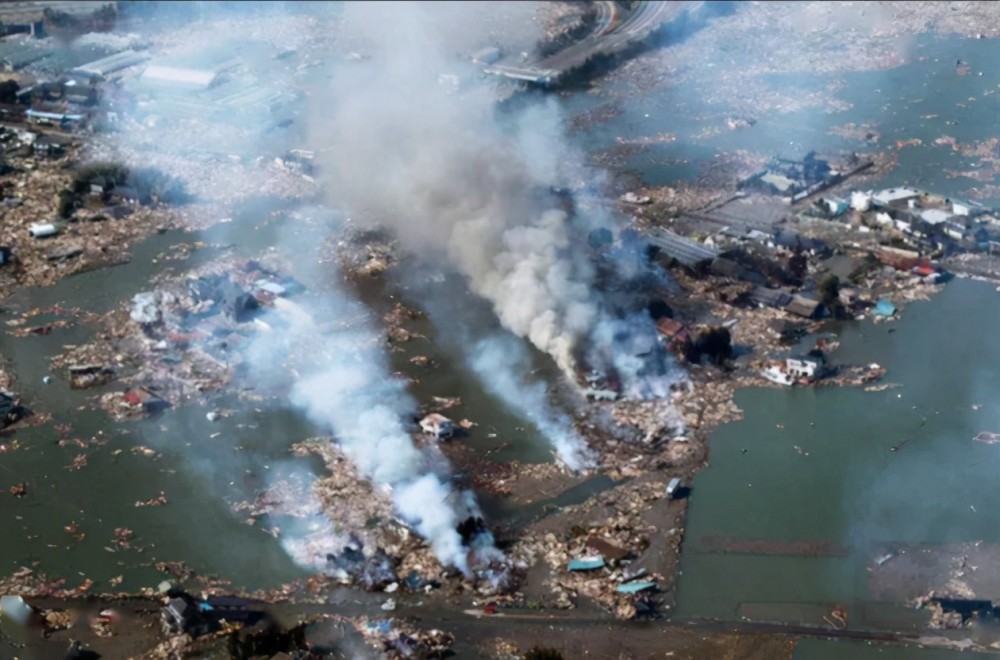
pixel 614 28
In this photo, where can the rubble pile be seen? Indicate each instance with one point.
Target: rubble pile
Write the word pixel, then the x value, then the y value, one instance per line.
pixel 91 237
pixel 219 179
pixel 396 320
pixel 380 550
pixel 351 502
pixel 942 620
pixel 178 341
pixel 708 404
pixel 616 534
pixel 399 639
pixel 645 422
pixel 363 252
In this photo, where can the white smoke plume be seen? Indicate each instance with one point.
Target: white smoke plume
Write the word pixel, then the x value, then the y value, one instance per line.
pixel 500 361
pixel 346 386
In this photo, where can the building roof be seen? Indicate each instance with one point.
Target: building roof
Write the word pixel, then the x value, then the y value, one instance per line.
pixel 16 54
pixel 802 306
pixel 112 63
pixel 771 297
pixel 683 250
pixel 671 328
pixel 890 195
pixel 934 216
pixel 176 75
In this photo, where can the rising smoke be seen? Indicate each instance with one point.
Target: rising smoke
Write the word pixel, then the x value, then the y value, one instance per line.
pixel 398 147
pixel 501 362
pixel 346 387
pixel 432 161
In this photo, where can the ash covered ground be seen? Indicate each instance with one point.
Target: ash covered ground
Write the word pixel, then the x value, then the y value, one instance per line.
pixel 505 355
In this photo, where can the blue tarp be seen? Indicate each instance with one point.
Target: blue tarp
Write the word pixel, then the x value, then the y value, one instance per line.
pixel 634 587
pixel 884 308
pixel 586 564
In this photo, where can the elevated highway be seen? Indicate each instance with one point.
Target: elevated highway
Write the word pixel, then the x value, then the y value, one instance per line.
pixel 614 29
pixel 19 13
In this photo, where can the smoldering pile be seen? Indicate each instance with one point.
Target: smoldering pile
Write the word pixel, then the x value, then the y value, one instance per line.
pixel 345 527
pixel 345 386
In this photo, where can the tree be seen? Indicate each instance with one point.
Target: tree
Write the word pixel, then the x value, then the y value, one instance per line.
pixel 65 203
pixel 8 91
pixel 829 291
pixel 716 343
pixel 798 265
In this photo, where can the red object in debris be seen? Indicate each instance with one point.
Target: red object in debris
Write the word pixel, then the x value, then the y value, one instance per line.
pixel 674 332
pixel 185 337
pixel 132 398
pixel 491 608
pixel 924 270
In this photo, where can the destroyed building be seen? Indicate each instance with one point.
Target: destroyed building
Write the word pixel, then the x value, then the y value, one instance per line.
pixel 673 248
pixel 793 180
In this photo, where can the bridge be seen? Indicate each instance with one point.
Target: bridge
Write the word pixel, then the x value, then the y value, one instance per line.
pixel 614 28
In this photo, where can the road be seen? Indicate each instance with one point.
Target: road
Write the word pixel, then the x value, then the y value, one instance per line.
pixel 613 29
pixel 14 13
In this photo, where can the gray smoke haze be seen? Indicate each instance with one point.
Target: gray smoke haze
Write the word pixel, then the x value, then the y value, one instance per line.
pixel 345 385
pixel 433 164
pixel 462 187
pixel 401 148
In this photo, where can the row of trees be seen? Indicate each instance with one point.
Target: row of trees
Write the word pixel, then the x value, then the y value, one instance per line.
pixel 148 184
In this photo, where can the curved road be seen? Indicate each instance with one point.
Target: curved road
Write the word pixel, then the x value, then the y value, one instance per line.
pixel 612 32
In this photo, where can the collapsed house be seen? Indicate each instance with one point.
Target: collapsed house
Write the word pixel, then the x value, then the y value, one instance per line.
pixel 187 615
pixel 793 180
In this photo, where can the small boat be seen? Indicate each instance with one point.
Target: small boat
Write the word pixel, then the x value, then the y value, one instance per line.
pixel 586 564
pixel 634 587
pixel 776 375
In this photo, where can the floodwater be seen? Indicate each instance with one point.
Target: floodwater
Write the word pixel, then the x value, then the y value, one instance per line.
pixel 201 475
pixel 854 472
pixel 838 649
pixel 901 103
pixel 813 485
pixel 842 486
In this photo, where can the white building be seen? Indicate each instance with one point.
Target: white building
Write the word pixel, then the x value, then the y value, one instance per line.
pixel 890 195
pixel 438 426
pixel 934 216
pixel 800 368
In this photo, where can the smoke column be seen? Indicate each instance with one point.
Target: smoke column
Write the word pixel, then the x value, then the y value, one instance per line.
pixel 436 167
pixel 460 186
pixel 499 361
pixel 349 390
